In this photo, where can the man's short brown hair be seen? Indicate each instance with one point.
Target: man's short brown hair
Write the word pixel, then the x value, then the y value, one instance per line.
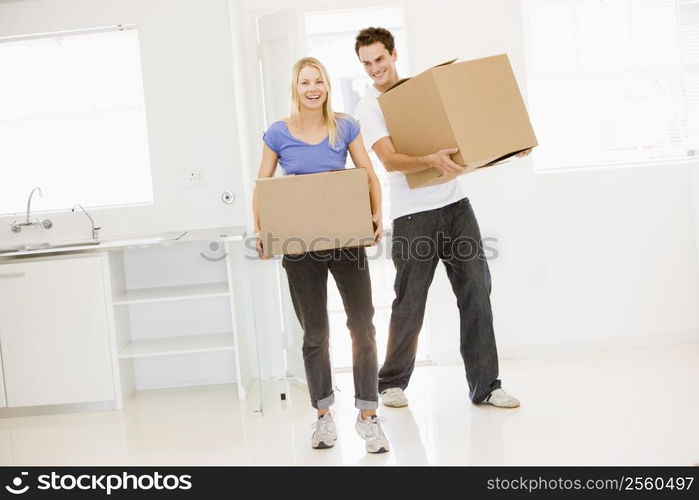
pixel 369 36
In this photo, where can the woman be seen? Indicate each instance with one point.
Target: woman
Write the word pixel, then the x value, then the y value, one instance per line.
pixel 313 139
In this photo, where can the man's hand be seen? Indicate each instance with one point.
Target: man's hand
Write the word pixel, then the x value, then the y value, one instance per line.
pixel 441 161
pixel 524 153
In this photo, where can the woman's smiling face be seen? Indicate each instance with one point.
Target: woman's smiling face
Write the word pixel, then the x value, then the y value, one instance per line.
pixel 311 88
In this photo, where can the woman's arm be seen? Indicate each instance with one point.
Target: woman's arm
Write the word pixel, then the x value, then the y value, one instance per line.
pixel 360 158
pixel 268 165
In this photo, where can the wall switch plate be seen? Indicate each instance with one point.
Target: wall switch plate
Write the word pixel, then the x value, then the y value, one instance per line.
pixel 193 177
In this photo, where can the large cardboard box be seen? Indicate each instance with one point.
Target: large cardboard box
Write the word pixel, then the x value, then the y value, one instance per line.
pixel 475 106
pixel 301 213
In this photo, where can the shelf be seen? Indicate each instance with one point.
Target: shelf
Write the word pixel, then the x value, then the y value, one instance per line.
pixel 168 293
pixel 178 345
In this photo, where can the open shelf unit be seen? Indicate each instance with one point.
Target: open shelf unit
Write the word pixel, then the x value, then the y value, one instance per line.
pixel 185 344
pixel 168 293
pixel 157 285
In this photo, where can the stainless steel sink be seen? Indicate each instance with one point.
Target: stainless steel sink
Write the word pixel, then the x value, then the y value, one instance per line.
pixel 12 249
pixel 63 244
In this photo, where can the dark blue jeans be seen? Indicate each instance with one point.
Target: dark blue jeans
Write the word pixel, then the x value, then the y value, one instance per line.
pixel 420 241
pixel 308 284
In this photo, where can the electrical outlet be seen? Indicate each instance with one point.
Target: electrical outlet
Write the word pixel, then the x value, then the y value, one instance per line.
pixel 193 177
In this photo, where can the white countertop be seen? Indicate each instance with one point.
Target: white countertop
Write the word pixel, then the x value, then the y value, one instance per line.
pixel 233 233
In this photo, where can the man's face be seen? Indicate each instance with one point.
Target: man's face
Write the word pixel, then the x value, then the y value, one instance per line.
pixel 379 64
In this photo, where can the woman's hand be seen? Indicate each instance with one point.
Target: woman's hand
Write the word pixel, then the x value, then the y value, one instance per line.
pixel 524 153
pixel 378 227
pixel 258 246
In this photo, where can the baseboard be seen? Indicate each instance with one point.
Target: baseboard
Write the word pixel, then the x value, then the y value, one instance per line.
pixel 27 411
pixel 575 347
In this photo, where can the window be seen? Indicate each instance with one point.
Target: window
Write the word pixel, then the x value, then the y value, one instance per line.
pixel 613 82
pixel 330 38
pixel 72 120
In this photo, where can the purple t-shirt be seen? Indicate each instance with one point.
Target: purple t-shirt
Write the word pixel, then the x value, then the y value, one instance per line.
pixel 298 157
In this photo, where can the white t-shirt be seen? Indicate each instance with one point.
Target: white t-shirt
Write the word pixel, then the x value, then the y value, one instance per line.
pixel 404 200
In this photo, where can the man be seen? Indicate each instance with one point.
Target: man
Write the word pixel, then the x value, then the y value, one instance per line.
pixel 442 218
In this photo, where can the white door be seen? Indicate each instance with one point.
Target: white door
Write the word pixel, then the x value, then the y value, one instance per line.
pixel 281 44
pixel 54 332
pixel 3 401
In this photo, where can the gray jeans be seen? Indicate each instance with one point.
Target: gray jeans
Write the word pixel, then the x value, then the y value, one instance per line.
pixel 308 282
pixel 420 241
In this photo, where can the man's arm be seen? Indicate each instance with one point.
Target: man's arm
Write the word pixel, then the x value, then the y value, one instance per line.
pixel 398 162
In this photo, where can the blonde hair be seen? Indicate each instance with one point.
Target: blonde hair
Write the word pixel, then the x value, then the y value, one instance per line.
pixel 295 112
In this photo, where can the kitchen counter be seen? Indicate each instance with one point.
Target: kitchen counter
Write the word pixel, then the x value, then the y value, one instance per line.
pixel 48 249
pixel 86 324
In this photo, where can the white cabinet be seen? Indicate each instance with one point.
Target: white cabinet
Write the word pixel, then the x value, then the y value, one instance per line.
pixel 96 327
pixel 54 331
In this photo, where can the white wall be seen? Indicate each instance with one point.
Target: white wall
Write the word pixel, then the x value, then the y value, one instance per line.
pixel 587 260
pixel 190 106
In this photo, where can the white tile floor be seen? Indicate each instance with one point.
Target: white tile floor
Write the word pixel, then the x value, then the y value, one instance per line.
pixel 625 407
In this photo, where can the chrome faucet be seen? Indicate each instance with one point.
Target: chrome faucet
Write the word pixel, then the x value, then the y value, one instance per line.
pixel 94 229
pixel 45 223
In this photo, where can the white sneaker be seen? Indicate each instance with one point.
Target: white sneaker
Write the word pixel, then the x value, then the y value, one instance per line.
pixel 324 433
pixel 369 429
pixel 501 399
pixel 394 397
